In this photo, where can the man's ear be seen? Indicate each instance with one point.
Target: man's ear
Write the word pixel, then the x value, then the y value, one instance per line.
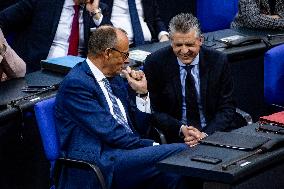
pixel 201 38
pixel 107 53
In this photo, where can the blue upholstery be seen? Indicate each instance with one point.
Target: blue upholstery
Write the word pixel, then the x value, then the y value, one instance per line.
pixel 274 75
pixel 216 14
pixel 44 112
pixel 45 118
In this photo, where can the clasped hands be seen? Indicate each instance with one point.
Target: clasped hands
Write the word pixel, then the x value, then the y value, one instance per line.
pixel 136 80
pixel 192 135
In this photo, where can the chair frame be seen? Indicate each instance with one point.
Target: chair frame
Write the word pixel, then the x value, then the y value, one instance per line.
pixel 40 109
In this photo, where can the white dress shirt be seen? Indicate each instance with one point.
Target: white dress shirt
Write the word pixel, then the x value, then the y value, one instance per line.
pixel 120 18
pixel 142 105
pixel 60 42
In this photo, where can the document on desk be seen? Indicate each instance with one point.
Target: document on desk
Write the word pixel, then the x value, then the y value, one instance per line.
pixel 235 140
pixel 61 64
pixel 138 55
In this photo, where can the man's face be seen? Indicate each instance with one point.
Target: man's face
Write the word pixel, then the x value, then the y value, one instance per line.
pixel 118 56
pixel 186 46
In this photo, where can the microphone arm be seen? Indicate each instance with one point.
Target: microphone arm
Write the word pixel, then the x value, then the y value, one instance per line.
pixel 268 146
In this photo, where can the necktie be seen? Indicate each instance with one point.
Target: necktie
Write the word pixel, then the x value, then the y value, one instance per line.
pixel 116 110
pixel 135 22
pixel 272 6
pixel 74 36
pixel 192 110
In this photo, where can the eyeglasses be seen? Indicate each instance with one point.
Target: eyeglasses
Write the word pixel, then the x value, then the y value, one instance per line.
pixel 125 55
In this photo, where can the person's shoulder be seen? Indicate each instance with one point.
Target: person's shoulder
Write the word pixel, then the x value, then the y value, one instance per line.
pixel 161 53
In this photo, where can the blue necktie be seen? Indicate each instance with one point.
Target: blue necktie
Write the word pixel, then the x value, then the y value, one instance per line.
pixel 136 26
pixel 192 110
pixel 116 110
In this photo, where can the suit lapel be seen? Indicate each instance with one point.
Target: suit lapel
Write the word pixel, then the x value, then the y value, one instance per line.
pixel 203 75
pixel 100 95
pixel 172 72
pixel 57 9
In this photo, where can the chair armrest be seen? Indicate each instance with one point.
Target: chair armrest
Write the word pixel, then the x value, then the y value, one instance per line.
pixel 161 135
pixel 245 115
pixel 80 165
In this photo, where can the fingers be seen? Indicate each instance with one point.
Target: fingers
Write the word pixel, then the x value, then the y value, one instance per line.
pixel 192 135
pixel 133 74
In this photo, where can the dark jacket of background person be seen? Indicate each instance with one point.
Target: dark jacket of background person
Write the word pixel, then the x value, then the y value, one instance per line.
pixel 11 65
pixel 35 23
pixel 255 14
pixel 151 16
pixel 164 85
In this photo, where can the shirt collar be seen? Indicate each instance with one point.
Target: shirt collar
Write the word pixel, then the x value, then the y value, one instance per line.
pixel 95 70
pixel 194 62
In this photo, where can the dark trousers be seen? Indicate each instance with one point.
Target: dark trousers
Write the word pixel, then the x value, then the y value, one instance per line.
pixel 135 169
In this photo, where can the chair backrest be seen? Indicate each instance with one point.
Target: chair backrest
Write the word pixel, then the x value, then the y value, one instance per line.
pixel 216 14
pixel 44 112
pixel 274 75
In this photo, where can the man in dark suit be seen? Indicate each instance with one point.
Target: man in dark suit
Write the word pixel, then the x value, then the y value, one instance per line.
pixel 149 16
pixel 97 121
pixel 43 28
pixel 198 98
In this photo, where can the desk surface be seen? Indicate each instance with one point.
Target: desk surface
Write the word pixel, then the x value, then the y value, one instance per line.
pixel 182 164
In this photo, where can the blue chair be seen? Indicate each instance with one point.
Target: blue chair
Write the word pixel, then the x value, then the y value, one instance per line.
pixel 274 76
pixel 44 112
pixel 216 15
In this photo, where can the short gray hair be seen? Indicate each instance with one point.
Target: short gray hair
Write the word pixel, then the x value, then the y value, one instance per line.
pixel 102 38
pixel 184 23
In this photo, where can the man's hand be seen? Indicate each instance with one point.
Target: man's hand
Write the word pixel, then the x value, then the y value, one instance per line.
pixel 164 38
pixel 274 16
pixel 192 135
pixel 136 79
pixel 92 7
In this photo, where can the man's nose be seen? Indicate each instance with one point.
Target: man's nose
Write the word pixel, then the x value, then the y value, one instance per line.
pixel 184 49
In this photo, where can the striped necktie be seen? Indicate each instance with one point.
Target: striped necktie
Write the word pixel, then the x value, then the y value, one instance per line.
pixel 116 110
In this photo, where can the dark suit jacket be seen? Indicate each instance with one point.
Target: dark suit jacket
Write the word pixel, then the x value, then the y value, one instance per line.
pixel 86 127
pixel 35 23
pixel 151 16
pixel 216 87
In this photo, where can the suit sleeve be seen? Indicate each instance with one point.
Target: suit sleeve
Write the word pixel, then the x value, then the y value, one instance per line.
pixel 106 14
pixel 12 65
pixel 17 15
pixel 84 108
pixel 253 17
pixel 161 120
pixel 225 107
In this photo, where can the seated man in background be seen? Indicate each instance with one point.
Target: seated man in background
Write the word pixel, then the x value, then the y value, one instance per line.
pixel 140 19
pixel 260 14
pixel 190 86
pixel 96 120
pixel 11 65
pixel 51 28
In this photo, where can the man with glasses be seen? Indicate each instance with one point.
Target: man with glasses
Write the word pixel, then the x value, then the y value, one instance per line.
pixel 99 122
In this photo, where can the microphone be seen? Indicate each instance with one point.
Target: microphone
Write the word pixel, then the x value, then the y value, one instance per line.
pixel 271 144
pixel 270 36
pixel 268 146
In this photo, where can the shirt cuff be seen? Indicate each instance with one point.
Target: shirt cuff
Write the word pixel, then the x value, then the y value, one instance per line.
pixel 143 104
pixel 162 33
pixel 155 144
pixel 99 21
